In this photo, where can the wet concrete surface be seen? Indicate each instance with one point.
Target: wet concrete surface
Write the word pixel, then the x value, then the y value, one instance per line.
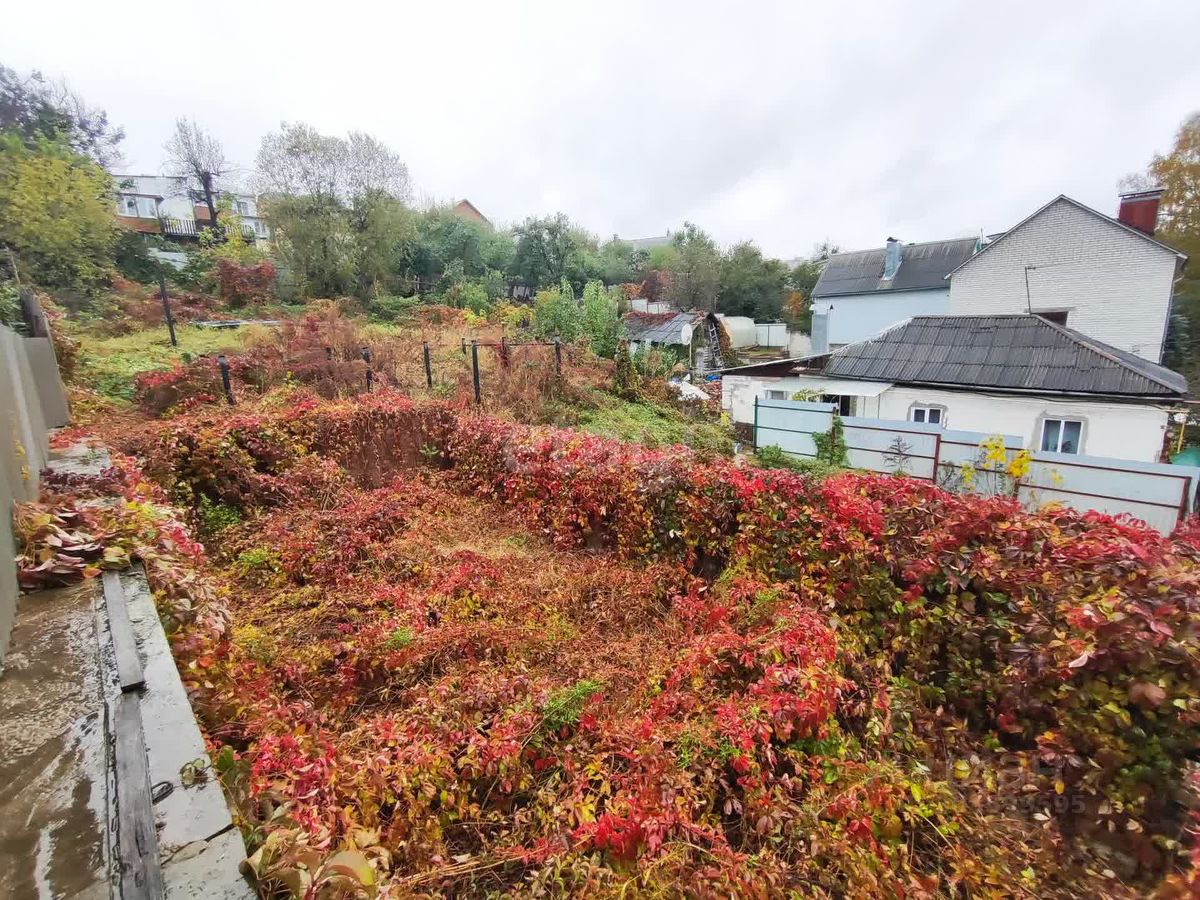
pixel 53 770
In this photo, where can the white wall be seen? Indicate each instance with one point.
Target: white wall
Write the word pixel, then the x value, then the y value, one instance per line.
pixel 771 334
pixel 1117 430
pixel 1116 286
pixel 861 316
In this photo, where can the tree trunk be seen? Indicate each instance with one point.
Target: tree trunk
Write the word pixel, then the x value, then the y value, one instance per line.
pixel 206 181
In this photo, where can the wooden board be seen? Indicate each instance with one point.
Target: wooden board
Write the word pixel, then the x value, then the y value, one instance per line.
pixel 141 877
pixel 129 665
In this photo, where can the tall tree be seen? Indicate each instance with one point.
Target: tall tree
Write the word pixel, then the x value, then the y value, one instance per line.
pixel 56 213
pixel 195 154
pixel 337 209
pixel 551 249
pixel 35 107
pixel 695 270
pixel 1178 174
pixel 750 284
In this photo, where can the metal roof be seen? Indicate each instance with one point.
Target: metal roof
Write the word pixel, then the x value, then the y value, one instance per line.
pixel 922 267
pixel 664 328
pixel 1016 352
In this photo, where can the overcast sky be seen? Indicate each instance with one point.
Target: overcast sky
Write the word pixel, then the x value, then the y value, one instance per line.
pixel 782 123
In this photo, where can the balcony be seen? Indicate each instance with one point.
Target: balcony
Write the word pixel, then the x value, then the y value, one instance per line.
pixel 191 229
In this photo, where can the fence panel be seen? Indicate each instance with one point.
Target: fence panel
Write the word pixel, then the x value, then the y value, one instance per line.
pixel 790 425
pixel 908 448
pixel 1158 493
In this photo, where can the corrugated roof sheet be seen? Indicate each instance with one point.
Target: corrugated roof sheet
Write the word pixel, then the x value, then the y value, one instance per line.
pixel 922 266
pixel 664 328
pixel 1018 352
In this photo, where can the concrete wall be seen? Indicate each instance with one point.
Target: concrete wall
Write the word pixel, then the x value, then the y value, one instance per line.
pixel 1115 286
pixel 31 399
pixel 861 316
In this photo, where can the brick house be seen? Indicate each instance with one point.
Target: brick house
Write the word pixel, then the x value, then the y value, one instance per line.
pixel 1105 277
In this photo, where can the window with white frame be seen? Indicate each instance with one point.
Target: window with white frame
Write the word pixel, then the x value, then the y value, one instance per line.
pixel 777 395
pixel 930 415
pixel 1062 435
pixel 260 227
pixel 128 205
pixel 242 207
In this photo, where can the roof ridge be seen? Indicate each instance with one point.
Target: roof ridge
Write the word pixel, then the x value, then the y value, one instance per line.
pixel 1091 344
pixel 1079 205
pixel 903 244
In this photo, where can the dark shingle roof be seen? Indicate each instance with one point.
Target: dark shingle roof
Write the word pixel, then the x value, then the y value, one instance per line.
pixel 922 266
pixel 1017 352
pixel 664 328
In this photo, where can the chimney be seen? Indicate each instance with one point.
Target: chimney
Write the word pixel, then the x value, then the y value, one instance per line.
pixel 1139 209
pixel 891 258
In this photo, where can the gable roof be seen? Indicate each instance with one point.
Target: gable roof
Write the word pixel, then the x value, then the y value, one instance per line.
pixel 471 208
pixel 1064 198
pixel 922 267
pixel 1012 352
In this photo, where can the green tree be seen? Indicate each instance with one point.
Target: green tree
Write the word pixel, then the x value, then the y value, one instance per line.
pixel 618 262
pixel 57 212
pixel 751 285
pixel 695 271
pixel 336 208
pixel 601 319
pixel 34 108
pixel 550 249
pixel 557 314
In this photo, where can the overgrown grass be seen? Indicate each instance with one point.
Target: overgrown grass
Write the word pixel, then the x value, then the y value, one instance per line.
pixel 110 365
pixel 652 425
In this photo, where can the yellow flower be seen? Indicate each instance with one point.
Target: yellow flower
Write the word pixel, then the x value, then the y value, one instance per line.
pixel 1019 465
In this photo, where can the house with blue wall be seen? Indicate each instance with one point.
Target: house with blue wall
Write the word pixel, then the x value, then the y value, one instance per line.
pixel 862 293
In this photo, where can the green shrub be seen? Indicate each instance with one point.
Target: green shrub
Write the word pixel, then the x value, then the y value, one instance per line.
pixel 392 309
pixel 216 516
pixel 564 707
pixel 399 639
pixel 772 457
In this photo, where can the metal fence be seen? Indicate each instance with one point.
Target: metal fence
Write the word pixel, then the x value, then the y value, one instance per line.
pixel 1158 493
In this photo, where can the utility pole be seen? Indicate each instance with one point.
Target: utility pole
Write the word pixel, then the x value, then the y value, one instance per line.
pixel 166 302
pixel 1028 301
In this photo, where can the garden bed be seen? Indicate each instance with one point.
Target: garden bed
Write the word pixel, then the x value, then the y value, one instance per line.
pixel 460 656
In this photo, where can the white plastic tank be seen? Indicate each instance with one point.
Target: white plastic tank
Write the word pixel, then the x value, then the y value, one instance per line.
pixel 741 330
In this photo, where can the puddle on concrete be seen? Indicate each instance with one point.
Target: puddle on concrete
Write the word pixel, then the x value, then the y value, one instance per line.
pixel 52 753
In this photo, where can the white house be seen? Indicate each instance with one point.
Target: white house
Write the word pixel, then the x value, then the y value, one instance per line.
pixel 859 294
pixel 166 205
pixel 1021 374
pixel 1104 277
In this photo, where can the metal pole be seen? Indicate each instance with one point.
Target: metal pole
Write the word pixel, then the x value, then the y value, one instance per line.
pixel 557 357
pixel 1028 301
pixel 428 366
pixel 366 355
pixel 223 365
pixel 166 302
pixel 475 370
